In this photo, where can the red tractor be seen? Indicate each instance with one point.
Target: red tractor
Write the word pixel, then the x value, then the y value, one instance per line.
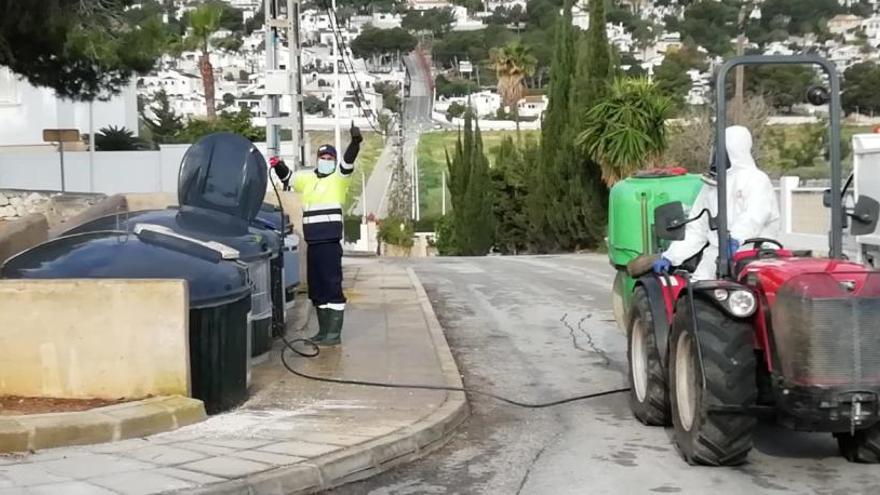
pixel 777 334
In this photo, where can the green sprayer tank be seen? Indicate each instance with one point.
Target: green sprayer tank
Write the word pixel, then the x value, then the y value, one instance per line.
pixel 631 222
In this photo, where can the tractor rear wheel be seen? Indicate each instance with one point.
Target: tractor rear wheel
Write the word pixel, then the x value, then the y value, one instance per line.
pixel 704 436
pixel 649 395
pixel 863 446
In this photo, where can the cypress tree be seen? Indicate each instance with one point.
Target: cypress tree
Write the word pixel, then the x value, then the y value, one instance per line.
pixel 543 200
pixel 510 187
pixel 470 191
pixel 594 69
pixel 580 221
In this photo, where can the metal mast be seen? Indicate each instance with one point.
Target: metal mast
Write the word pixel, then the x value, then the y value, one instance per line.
pixel 284 78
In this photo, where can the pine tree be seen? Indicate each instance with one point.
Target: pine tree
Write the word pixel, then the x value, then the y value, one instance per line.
pixel 470 191
pixel 165 125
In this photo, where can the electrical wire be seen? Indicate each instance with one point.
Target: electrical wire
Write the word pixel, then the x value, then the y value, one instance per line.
pixel 348 64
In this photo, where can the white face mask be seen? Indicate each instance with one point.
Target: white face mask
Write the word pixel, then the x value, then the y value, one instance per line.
pixel 326 167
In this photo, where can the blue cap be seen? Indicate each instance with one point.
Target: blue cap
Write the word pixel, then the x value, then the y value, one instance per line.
pixel 327 149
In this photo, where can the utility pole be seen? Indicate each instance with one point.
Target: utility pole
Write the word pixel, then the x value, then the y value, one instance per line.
pixel 417 180
pixel 739 90
pixel 336 85
pixel 443 193
pixel 286 82
pixel 273 101
pixel 294 46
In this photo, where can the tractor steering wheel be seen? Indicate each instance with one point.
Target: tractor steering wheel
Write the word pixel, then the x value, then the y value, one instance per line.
pixel 760 241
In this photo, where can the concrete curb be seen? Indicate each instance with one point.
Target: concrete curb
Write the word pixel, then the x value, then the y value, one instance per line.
pixel 374 456
pixel 104 424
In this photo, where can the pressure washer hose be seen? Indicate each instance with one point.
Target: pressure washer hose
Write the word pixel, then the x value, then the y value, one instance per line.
pixel 289 346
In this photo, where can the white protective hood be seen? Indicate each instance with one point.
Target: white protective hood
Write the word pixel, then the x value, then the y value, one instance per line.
pixel 752 207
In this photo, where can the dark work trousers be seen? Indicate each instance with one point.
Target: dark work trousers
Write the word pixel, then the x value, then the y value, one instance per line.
pixel 325 273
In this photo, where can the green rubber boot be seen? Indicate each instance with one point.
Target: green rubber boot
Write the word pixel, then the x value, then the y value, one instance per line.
pixel 323 326
pixel 334 319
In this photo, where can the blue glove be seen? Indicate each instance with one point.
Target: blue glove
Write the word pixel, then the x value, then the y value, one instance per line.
pixel 662 266
pixel 733 246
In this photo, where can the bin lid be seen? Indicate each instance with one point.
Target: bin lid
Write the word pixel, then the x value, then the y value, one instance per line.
pixel 148 255
pixel 223 172
pixel 198 223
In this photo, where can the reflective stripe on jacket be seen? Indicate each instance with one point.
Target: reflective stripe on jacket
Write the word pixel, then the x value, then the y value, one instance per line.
pixel 322 198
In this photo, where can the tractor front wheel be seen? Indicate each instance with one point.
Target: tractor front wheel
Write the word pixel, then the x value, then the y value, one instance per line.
pixel 705 436
pixel 863 446
pixel 649 395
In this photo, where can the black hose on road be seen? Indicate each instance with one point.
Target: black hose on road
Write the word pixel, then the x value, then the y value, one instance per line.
pixel 289 346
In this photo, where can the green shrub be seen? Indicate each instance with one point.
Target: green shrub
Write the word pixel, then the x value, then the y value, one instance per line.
pixel 351 228
pixel 427 224
pixel 445 240
pixel 397 231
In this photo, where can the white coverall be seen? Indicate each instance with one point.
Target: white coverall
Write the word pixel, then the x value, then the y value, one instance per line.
pixel 752 208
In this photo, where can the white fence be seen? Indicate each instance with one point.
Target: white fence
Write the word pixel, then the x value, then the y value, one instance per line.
pixel 490 125
pixel 110 172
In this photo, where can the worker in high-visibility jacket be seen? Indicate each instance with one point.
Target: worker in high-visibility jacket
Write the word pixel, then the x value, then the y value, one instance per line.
pixel 323 194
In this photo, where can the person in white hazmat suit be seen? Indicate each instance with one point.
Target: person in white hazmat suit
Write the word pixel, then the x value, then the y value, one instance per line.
pixel 752 210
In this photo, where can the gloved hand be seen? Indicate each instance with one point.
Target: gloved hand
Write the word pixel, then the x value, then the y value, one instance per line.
pixel 733 246
pixel 355 132
pixel 662 266
pixel 281 170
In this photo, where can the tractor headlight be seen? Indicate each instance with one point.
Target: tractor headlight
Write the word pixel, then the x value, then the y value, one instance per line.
pixel 720 294
pixel 741 303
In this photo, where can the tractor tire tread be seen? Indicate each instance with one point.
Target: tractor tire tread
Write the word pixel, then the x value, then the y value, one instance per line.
pixel 718 439
pixel 863 447
pixel 654 410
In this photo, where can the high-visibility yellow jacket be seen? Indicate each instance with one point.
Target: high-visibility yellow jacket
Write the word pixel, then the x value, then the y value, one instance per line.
pixel 322 199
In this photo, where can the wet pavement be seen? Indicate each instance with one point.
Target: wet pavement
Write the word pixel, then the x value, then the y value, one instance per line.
pixel 293 434
pixel 539 329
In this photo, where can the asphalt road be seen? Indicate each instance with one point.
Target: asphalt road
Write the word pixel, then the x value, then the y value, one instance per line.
pixel 378 182
pixel 416 119
pixel 539 329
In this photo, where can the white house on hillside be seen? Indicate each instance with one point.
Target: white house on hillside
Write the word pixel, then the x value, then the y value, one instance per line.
pixel 25 110
pixel 174 83
pixel 532 106
pixel 428 4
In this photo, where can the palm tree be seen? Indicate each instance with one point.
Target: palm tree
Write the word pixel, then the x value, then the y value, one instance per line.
pixel 512 63
pixel 112 138
pixel 203 22
pixel 626 132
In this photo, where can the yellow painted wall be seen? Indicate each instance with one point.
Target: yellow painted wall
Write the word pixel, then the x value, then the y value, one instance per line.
pixel 94 338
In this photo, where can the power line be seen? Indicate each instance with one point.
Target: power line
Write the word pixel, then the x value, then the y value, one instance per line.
pixel 349 69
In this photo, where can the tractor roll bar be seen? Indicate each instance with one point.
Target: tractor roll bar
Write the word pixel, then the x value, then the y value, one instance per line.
pixel 724 268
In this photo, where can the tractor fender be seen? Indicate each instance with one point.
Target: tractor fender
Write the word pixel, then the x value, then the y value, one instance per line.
pixel 657 299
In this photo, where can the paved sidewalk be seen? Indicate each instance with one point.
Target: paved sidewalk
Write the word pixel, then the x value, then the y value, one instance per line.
pixel 293 435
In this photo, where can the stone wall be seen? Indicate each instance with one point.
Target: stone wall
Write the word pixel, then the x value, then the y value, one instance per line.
pixel 17 204
pixel 57 207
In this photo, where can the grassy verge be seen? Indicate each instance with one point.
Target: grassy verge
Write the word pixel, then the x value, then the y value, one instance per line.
pixel 432 163
pixel 371 148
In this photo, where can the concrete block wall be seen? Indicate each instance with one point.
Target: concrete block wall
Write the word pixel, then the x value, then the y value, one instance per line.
pixel 136 346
